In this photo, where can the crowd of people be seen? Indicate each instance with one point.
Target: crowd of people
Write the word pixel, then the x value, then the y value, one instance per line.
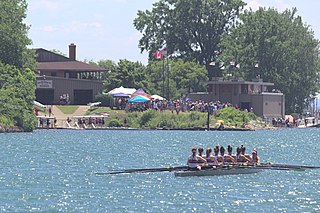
pixel 220 157
pixel 179 105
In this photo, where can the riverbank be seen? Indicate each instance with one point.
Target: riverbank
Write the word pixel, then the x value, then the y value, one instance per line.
pixel 10 129
pixel 85 117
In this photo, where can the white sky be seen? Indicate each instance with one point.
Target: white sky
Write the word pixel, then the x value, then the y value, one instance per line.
pixel 103 29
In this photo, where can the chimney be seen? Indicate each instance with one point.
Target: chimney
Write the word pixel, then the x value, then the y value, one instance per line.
pixel 72 51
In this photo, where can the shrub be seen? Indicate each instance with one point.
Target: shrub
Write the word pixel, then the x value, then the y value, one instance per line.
pixel 106 100
pixel 115 123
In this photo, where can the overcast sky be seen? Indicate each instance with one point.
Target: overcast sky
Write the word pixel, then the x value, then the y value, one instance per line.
pixel 103 29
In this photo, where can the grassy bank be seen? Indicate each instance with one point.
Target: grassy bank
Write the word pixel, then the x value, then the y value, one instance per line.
pixel 151 119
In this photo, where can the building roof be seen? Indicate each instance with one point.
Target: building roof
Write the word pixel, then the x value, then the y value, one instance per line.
pixel 75 66
pixel 241 82
pixel 51 61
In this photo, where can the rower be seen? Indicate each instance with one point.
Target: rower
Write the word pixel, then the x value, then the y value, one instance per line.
pixel 243 151
pixel 228 158
pixel 255 159
pixel 216 152
pixel 211 160
pixel 200 150
pixel 221 156
pixel 232 155
pixel 195 161
pixel 240 157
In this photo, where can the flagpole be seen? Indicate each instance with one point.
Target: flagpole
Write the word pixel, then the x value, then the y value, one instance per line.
pixel 168 89
pixel 163 77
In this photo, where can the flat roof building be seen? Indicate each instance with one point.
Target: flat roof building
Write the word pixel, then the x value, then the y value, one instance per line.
pixel 253 95
pixel 64 80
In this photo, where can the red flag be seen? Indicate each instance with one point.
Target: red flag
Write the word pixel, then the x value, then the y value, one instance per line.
pixel 158 55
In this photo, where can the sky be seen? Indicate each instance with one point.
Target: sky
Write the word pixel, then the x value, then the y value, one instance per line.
pixel 103 29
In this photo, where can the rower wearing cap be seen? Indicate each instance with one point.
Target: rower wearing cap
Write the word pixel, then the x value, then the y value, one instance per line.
pixel 255 159
pixel 211 160
pixel 195 161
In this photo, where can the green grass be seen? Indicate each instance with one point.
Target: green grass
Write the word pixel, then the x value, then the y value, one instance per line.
pixel 68 109
pixel 152 119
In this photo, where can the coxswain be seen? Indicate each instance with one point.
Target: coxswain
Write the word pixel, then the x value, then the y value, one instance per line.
pixel 255 159
pixel 195 161
pixel 228 158
pixel 211 160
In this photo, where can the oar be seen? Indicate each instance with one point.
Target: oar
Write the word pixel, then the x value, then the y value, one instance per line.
pixel 288 166
pixel 294 166
pixel 127 171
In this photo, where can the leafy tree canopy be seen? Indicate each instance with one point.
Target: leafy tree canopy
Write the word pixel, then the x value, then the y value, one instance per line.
pixel 171 78
pixel 13 35
pixel 191 28
pixel 17 93
pixel 17 66
pixel 279 48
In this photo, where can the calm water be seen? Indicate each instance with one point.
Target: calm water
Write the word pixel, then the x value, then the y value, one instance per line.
pixel 54 170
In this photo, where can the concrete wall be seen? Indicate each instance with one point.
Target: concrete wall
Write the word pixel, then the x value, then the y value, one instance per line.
pixel 67 86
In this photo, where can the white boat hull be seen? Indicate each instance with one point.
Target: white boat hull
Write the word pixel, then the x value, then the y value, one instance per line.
pixel 218 171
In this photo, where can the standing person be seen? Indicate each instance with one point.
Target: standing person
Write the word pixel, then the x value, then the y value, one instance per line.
pixel 50 111
pixel 195 161
pixel 55 122
pixel 36 111
pixel 48 123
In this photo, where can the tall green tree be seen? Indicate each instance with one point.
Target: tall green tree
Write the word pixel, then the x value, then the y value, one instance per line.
pixel 279 48
pixel 191 27
pixel 17 66
pixel 14 39
pixel 176 78
pixel 125 73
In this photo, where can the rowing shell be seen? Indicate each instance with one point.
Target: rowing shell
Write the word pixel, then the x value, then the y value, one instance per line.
pixel 217 171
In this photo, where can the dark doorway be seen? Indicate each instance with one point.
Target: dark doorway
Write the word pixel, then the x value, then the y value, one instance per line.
pixel 82 97
pixel 45 96
pixel 245 105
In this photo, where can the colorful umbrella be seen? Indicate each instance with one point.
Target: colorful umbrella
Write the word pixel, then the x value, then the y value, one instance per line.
pixel 139 99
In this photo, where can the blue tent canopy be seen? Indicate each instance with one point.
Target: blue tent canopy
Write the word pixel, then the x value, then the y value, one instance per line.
pixel 139 99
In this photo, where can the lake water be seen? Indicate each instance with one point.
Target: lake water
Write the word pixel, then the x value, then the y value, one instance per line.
pixel 54 171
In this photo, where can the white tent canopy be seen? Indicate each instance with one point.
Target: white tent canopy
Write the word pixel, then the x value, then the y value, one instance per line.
pixel 157 97
pixel 123 90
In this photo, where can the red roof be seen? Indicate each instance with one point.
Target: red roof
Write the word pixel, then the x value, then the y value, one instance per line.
pixel 75 66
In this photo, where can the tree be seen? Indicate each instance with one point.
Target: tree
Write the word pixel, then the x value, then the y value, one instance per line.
pixel 279 48
pixel 192 28
pixel 180 77
pixel 17 66
pixel 14 35
pixel 125 73
pixel 17 93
